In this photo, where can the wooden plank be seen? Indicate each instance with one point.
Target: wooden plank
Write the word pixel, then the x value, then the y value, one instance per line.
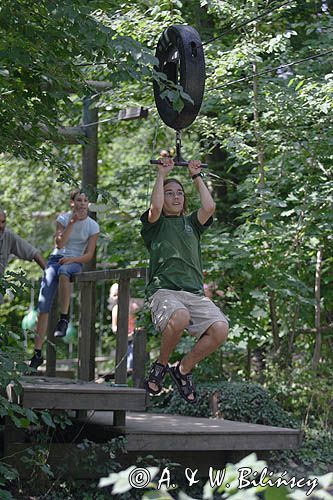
pixel 90 149
pixel 87 334
pixel 117 401
pixel 198 443
pixel 160 432
pixel 230 441
pixel 64 394
pixel 140 357
pixel 93 84
pixel 122 331
pixel 68 135
pixel 122 341
pixel 50 350
pixel 110 274
pixel 86 351
pixel 132 113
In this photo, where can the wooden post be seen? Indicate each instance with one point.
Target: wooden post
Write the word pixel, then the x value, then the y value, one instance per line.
pixel 90 150
pixel 316 353
pixel 87 341
pixel 139 357
pixel 86 352
pixel 50 350
pixel 122 342
pixel 87 333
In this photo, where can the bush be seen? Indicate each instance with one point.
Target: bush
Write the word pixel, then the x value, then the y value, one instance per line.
pixel 303 391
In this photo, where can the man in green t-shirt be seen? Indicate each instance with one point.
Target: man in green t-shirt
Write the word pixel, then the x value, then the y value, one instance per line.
pixel 175 283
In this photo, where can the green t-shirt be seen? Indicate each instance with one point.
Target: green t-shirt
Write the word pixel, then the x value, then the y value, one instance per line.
pixel 173 243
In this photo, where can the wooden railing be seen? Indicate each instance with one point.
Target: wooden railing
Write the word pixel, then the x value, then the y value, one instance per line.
pixel 87 338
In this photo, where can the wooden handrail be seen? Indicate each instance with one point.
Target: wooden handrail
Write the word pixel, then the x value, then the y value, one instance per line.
pixel 110 274
pixel 86 347
pixel 86 341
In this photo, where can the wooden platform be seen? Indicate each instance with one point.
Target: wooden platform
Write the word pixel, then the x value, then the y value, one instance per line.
pixel 192 442
pixel 156 431
pixel 41 392
pixel 198 443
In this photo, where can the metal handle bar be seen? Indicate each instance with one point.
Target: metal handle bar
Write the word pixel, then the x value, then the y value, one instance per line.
pixel 178 163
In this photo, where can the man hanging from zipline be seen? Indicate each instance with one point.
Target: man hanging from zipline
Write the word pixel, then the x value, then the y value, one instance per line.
pixel 175 285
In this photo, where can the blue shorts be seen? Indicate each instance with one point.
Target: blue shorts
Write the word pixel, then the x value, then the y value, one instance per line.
pixel 50 280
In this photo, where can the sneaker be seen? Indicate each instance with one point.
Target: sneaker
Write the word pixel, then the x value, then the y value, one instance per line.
pixel 61 328
pixel 36 361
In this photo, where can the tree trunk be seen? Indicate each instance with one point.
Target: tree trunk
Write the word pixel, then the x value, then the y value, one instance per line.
pixel 274 323
pixel 260 149
pixel 316 353
pixel 292 332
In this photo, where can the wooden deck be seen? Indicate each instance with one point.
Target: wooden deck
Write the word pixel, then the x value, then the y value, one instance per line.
pixel 198 443
pixel 192 442
pixel 162 432
pixel 66 394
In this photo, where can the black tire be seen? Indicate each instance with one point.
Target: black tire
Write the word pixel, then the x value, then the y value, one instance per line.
pixel 181 59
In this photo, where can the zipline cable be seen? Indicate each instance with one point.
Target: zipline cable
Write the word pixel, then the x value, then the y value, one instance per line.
pixel 245 23
pixel 114 120
pixel 264 72
pixel 153 147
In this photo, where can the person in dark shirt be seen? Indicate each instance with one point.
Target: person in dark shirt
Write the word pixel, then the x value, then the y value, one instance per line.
pixel 175 289
pixel 12 244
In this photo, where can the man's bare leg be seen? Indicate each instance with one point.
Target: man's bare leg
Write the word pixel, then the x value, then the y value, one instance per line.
pixel 171 335
pixel 215 336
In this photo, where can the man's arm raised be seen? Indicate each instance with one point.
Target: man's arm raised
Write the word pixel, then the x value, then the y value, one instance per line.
pixel 207 208
pixel 157 196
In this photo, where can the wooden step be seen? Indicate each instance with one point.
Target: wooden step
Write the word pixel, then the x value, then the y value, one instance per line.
pixel 198 443
pixel 148 432
pixel 41 392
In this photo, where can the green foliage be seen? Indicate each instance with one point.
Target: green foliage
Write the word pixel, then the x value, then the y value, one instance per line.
pixel 304 392
pixel 39 67
pixel 99 457
pixel 12 368
pixel 231 485
pixel 15 283
pixel 316 451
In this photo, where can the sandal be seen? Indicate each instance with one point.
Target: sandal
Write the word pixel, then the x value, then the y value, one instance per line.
pixel 184 384
pixel 156 376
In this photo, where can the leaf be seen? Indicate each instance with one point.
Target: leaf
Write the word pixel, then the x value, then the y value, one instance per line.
pixel 6 495
pixel 47 419
pixel 276 493
pixel 299 85
pixel 178 104
pixel 160 495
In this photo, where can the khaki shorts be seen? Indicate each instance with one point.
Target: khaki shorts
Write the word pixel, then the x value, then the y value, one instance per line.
pixel 203 311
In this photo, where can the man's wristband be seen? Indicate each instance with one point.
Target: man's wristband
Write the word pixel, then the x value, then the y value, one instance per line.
pixel 200 174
